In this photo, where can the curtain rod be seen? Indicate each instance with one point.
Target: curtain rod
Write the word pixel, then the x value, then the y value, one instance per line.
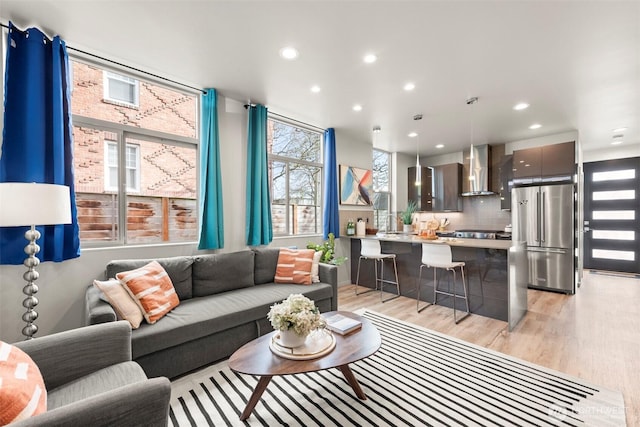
pixel 288 118
pixel 204 92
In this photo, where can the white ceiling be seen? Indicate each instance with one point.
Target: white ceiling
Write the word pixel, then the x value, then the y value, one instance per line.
pixel 576 62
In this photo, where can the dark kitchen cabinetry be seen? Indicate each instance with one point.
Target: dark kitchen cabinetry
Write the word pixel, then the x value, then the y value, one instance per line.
pixel 447 187
pixel 506 182
pixel 549 163
pixel 421 194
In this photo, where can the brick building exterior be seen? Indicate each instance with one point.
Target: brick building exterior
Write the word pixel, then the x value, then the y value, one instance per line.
pixel 162 204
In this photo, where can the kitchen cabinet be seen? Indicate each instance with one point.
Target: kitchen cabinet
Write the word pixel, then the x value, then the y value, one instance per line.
pixel 506 182
pixel 549 163
pixel 447 187
pixel 421 194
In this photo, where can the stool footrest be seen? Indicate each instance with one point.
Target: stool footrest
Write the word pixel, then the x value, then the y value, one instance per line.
pixel 451 294
pixel 380 279
pixel 364 292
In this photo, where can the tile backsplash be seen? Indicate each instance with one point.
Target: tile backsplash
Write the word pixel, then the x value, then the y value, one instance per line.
pixel 479 213
pixel 347 214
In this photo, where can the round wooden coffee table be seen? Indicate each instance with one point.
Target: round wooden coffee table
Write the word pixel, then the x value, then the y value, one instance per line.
pixel 255 358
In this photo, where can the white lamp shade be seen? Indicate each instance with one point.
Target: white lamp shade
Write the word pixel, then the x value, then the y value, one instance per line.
pixel 34 204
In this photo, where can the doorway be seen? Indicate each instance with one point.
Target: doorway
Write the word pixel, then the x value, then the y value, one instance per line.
pixel 612 215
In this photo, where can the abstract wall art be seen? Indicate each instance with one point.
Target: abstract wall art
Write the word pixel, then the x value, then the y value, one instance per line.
pixel 356 186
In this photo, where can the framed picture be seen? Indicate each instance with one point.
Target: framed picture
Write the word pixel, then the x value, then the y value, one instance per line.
pixel 356 186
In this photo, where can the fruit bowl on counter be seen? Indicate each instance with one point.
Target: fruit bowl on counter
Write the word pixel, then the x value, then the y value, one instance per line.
pixel 428 234
pixel 371 231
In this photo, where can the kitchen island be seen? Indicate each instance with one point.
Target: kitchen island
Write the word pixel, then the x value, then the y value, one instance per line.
pixel 496 272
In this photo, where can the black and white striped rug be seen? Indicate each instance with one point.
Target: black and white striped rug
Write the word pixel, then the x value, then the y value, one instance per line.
pixel 418 377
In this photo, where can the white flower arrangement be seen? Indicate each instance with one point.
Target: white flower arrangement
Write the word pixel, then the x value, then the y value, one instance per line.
pixel 297 312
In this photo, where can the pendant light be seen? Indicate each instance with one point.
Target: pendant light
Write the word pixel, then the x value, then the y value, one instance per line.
pixel 418 167
pixel 472 184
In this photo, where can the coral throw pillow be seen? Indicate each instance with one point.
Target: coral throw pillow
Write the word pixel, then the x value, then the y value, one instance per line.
pixel 151 288
pixel 121 301
pixel 294 266
pixel 22 391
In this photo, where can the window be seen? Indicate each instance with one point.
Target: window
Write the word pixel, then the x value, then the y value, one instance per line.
pixel 152 148
pixel 295 176
pixel 381 189
pixel 121 89
pixel 132 165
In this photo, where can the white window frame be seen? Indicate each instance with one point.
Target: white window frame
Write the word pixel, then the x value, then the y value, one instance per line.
pixel 108 76
pixel 386 194
pixel 290 160
pixel 110 186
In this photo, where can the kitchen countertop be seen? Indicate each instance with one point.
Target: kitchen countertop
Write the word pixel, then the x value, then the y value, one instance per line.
pixel 451 241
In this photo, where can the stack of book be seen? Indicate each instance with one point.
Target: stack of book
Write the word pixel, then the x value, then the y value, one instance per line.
pixel 341 324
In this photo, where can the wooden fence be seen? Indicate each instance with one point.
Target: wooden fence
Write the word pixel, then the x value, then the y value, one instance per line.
pixel 149 219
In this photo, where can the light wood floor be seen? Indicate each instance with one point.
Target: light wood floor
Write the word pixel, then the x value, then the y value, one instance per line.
pixel 594 334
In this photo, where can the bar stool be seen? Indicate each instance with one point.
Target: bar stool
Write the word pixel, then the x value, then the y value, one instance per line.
pixel 439 256
pixel 370 249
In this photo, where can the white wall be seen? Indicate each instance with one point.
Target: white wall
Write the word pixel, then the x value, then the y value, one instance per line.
pixel 619 152
pixel 358 154
pixel 443 159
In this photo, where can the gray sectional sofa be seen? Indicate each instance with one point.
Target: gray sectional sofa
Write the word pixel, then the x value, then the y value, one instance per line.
pixel 224 301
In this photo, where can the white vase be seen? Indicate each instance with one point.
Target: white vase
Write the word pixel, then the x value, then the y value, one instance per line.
pixel 291 339
pixel 406 228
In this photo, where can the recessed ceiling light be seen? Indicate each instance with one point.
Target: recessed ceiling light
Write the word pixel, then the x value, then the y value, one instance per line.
pixel 412 135
pixel 617 142
pixel 377 129
pixel 357 107
pixel 619 130
pixel 370 58
pixel 440 146
pixel 521 106
pixel 289 52
pixel 527 165
pixel 521 161
pixel 315 88
pixel 535 126
pixel 409 86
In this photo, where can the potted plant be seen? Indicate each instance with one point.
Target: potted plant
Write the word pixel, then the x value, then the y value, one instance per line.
pixel 407 216
pixel 295 317
pixel 328 250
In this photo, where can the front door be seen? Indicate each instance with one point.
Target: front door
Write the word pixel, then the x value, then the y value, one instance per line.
pixel 612 215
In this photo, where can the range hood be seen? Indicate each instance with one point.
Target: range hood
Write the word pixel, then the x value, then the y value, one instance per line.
pixel 477 171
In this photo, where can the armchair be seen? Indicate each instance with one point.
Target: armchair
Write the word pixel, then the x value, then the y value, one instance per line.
pixel 91 380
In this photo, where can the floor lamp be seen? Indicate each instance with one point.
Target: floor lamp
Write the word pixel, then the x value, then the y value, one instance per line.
pixel 33 204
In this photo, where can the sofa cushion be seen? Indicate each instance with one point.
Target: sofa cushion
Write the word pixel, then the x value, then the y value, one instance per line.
pixel 217 273
pixel 121 301
pixel 199 317
pixel 22 390
pixel 178 269
pixel 294 266
pixel 266 260
pixel 151 288
pixel 110 378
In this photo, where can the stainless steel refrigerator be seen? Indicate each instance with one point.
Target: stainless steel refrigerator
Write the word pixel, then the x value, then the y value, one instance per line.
pixel 543 216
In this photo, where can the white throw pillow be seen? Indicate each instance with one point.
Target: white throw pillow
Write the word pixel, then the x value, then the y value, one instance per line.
pixel 315 267
pixel 120 300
